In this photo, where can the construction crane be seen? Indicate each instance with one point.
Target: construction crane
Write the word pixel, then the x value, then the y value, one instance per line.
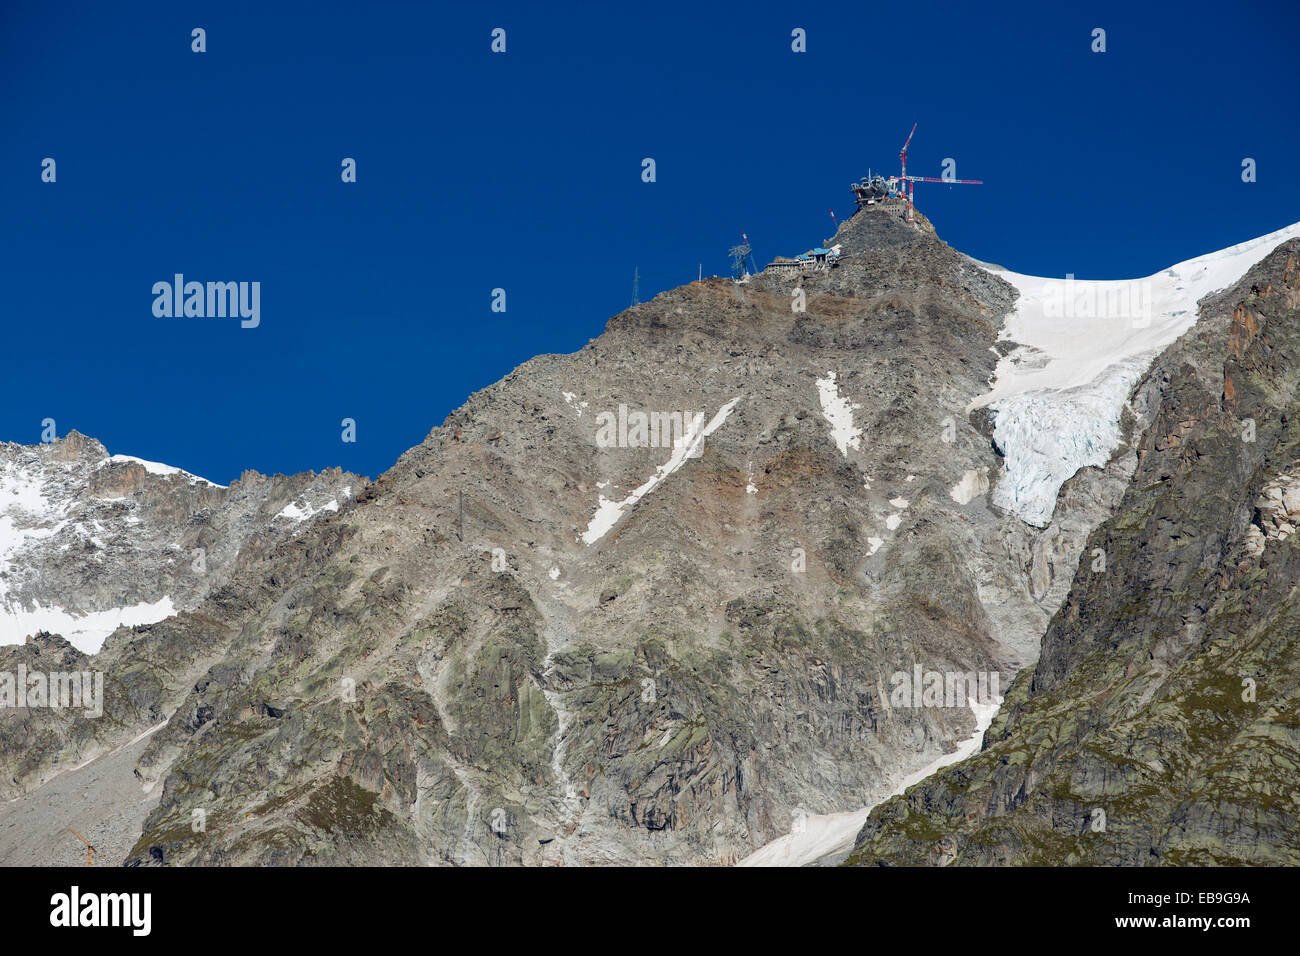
pixel 907 182
pixel 90 850
pixel 874 189
pixel 902 153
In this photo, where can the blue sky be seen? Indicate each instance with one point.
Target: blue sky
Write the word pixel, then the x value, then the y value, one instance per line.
pixel 522 171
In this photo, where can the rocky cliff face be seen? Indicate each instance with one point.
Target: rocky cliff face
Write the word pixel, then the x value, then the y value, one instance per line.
pixel 638 644
pixel 1159 725
pixel 640 650
pixel 88 539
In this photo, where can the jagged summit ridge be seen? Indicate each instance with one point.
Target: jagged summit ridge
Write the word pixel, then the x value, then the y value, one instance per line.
pixel 89 540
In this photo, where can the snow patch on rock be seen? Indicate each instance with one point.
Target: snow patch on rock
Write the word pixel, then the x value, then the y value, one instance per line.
pixel 296 513
pixel 974 483
pixel 158 468
pixel 608 512
pixel 570 399
pixel 299 514
pixel 839 412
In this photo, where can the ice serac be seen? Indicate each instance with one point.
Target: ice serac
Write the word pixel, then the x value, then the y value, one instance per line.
pixel 1080 348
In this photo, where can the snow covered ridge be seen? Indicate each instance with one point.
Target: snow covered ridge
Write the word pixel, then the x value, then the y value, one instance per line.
pixel 91 541
pixel 37 498
pixel 1082 346
pixel 157 468
pixel 38 508
pixel 33 511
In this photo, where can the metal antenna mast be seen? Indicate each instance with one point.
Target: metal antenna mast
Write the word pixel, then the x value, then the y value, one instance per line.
pixel 738 255
pixel 636 286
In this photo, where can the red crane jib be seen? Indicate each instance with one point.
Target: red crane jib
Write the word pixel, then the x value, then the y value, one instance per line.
pixel 903 151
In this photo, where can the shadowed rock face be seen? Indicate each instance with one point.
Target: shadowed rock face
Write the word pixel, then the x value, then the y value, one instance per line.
pixel 374 689
pixel 1159 725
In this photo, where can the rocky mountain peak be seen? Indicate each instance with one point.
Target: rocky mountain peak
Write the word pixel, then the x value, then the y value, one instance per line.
pixel 657 600
pixel 74 446
pixel 89 540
